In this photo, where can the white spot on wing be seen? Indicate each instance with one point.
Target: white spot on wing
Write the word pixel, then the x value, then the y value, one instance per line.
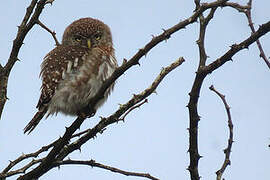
pixel 69 65
pixel 76 62
pixel 63 75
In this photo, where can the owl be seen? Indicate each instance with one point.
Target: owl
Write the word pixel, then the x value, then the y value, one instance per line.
pixel 73 72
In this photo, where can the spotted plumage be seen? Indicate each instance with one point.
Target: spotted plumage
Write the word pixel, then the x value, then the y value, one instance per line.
pixel 74 71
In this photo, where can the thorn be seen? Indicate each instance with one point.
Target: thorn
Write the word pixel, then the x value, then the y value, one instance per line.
pixel 6 98
pixel 145 55
pixel 19 27
pixel 80 149
pixel 102 130
pixel 233 46
pixel 167 36
pixel 58 167
pixel 17 59
pixel 49 2
pixel 155 92
pixel 137 63
pixel 102 118
pixel 135 96
pixel 121 106
pixel 153 36
pixel 124 61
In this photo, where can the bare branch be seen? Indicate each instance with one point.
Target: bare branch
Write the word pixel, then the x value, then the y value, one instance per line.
pixel 121 118
pixel 202 72
pixel 92 163
pixel 251 25
pixel 80 133
pixel 132 108
pixel 50 31
pixel 21 170
pixel 25 26
pixel 200 42
pixel 237 6
pixel 197 4
pixel 264 28
pixel 227 151
pixel 26 156
pixel 194 118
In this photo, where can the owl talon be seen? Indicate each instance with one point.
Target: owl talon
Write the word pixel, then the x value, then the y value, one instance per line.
pixel 86 114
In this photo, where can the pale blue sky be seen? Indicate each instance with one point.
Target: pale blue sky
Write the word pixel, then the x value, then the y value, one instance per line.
pixel 154 138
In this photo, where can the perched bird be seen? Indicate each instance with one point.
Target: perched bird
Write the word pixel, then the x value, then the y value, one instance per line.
pixel 74 71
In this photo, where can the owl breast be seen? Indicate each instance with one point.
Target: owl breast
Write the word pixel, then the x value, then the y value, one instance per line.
pixel 79 85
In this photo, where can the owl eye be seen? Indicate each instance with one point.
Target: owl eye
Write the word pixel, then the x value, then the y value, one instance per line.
pixel 97 36
pixel 78 38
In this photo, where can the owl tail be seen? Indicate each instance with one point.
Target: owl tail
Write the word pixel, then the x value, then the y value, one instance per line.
pixel 34 122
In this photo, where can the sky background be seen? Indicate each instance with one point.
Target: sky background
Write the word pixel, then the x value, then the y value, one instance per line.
pixel 154 138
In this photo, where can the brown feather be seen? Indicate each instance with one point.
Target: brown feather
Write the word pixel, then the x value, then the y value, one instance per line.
pixel 36 119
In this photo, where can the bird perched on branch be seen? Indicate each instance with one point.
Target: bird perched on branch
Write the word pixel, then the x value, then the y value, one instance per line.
pixel 74 71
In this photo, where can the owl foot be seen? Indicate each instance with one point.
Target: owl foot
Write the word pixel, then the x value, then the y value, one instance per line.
pixel 85 113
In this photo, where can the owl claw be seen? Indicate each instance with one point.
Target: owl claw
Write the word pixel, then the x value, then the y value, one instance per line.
pixel 86 114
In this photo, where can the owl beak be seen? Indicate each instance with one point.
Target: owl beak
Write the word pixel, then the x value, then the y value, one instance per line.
pixel 89 43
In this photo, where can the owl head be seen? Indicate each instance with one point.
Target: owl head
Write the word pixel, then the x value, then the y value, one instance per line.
pixel 87 32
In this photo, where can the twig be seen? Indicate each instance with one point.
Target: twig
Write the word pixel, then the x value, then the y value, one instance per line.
pixel 237 6
pixel 132 108
pixel 227 151
pixel 21 170
pixel 50 31
pixel 25 26
pixel 80 133
pixel 264 28
pixel 197 4
pixel 92 163
pixel 46 164
pixel 251 25
pixel 194 116
pixel 26 156
pixel 122 109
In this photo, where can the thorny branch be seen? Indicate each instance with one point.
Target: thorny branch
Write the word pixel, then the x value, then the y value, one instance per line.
pixel 196 87
pixel 93 163
pixel 26 156
pixel 251 25
pixel 29 20
pixel 194 116
pixel 120 119
pixel 50 31
pixel 132 108
pixel 227 151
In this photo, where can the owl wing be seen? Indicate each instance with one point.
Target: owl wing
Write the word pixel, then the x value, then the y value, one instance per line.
pixel 56 65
